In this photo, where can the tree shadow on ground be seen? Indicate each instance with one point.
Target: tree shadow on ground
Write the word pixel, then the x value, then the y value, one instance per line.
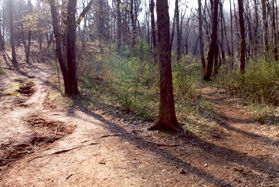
pixel 259 164
pixel 150 146
pixel 224 121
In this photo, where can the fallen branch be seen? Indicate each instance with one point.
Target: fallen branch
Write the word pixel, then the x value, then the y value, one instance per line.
pixel 60 152
pixel 111 135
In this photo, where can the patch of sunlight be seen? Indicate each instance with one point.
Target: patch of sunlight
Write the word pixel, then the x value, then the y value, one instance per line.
pixel 12 90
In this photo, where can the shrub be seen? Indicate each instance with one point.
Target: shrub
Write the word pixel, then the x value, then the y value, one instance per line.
pixel 260 83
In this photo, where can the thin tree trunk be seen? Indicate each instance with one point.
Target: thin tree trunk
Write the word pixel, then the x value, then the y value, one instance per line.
pixel 201 36
pixel 134 32
pixel 242 36
pixel 265 31
pixel 58 42
pixel 119 25
pixel 256 38
pixel 274 32
pixel 232 37
pixel 153 27
pixel 12 40
pixel 213 44
pixel 178 35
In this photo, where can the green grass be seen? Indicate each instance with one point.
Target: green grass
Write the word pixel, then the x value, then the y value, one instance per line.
pixel 2 70
pixel 129 81
pixel 258 89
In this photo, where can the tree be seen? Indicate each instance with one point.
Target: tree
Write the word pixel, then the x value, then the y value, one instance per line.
pixel 274 30
pixel 12 39
pixel 265 28
pixel 178 33
pixel 58 42
pixel 213 43
pixel 153 27
pixel 242 36
pixel 71 47
pixel 167 117
pixel 119 25
pixel 201 35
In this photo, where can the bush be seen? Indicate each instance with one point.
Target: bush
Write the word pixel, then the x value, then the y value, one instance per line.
pixel 260 83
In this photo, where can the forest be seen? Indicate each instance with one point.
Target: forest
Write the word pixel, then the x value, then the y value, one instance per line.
pixel 139 93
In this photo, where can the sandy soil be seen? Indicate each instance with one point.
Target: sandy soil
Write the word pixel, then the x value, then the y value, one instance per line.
pixel 103 152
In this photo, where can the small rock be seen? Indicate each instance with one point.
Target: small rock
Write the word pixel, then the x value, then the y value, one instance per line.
pixel 205 165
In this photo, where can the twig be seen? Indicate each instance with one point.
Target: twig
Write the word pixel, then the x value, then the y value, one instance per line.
pixel 56 130
pixel 110 135
pixel 60 152
pixel 69 176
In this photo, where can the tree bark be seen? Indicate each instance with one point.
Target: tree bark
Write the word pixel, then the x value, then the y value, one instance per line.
pixel 265 31
pixel 242 36
pixel 12 39
pixel 119 25
pixel 58 42
pixel 71 48
pixel 153 27
pixel 178 35
pixel 274 32
pixel 134 33
pixel 167 118
pixel 256 39
pixel 201 36
pixel 213 44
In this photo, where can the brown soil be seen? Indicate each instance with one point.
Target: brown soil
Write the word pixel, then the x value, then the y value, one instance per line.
pixel 107 151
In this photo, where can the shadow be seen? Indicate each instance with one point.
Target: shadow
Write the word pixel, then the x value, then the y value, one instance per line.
pixel 45 82
pixel 250 135
pixel 152 147
pixel 261 165
pixel 6 61
pixel 224 121
pixel 236 120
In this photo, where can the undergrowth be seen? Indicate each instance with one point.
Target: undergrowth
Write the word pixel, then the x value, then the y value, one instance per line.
pixel 258 89
pixel 129 80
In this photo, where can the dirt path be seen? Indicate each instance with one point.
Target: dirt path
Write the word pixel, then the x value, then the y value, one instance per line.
pixel 101 152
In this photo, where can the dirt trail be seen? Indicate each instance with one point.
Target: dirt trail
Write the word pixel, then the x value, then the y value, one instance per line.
pixel 101 152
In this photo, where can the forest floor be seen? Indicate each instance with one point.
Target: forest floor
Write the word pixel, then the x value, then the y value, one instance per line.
pixel 42 144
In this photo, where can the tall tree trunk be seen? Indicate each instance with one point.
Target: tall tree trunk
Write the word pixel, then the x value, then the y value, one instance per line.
pixel 274 31
pixel 12 39
pixel 265 31
pixel 242 36
pixel 153 27
pixel 3 28
pixel 201 36
pixel 232 38
pixel 256 38
pixel 167 118
pixel 172 30
pixel 134 32
pixel 58 42
pixel 29 35
pixel 213 44
pixel 71 48
pixel 178 34
pixel 119 25
pixel 1 40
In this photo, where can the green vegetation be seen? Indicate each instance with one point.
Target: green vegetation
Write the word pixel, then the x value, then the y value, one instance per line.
pixel 2 70
pixel 260 83
pixel 129 80
pixel 258 88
